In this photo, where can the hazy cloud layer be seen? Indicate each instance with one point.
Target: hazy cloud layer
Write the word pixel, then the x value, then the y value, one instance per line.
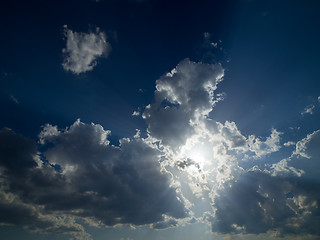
pixel 83 49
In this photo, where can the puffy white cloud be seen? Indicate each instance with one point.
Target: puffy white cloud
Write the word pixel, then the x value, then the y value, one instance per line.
pixel 47 132
pixel 83 49
pixel 270 145
pixel 182 97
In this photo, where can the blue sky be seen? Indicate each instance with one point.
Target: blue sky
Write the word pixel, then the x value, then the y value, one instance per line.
pixel 158 119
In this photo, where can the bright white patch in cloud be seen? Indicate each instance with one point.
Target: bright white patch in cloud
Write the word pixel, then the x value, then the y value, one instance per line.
pixel 137 135
pixel 48 131
pixel 83 49
pixel 135 113
pixel 214 44
pixel 260 148
pixel 290 143
pixel 308 110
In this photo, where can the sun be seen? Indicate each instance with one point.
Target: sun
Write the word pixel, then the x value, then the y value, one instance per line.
pixel 195 156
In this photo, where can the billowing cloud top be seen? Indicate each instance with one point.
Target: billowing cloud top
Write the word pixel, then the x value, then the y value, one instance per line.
pixel 182 97
pixel 83 49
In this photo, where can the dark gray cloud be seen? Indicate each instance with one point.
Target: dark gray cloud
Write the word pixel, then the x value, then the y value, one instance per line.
pixel 21 176
pixel 17 153
pixel 114 185
pixel 257 202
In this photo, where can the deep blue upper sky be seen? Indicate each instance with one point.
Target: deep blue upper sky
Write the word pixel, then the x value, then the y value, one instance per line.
pixel 272 47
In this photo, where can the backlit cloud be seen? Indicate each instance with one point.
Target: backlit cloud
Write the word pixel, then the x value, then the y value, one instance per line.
pixel 187 161
pixel 85 177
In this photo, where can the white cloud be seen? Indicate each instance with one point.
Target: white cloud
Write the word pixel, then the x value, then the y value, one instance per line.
pixel 47 132
pixel 290 143
pixel 304 159
pixel 261 148
pixel 83 49
pixel 188 164
pixel 182 97
pixel 308 110
pixel 308 147
pixel 135 113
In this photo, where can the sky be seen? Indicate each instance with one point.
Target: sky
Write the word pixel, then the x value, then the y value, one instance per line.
pixel 160 119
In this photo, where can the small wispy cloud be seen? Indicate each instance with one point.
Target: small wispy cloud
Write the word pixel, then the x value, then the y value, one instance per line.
pixel 135 113
pixel 13 98
pixel 308 109
pixel 288 144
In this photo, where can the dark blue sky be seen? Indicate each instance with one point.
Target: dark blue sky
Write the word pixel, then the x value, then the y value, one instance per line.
pixel 268 53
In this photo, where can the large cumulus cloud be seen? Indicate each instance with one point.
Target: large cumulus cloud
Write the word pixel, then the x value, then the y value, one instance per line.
pixel 82 175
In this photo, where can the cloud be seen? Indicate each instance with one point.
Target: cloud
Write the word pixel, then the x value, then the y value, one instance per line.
pixel 83 49
pixel 257 203
pixel 304 159
pixel 182 97
pixel 189 165
pixel 19 162
pixel 165 224
pixel 290 143
pixel 261 148
pixel 135 113
pixel 308 110
pixel 83 176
